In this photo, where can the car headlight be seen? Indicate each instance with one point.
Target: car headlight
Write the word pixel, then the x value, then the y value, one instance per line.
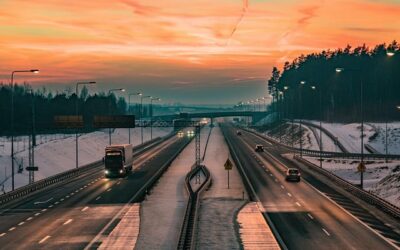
pixel 106 172
pixel 121 171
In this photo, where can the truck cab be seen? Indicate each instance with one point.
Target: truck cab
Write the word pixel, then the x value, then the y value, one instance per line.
pixel 118 160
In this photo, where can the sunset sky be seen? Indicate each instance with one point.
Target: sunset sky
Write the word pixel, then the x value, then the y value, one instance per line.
pixel 197 51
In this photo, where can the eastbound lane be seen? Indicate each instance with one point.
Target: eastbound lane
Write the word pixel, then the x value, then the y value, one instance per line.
pixel 70 216
pixel 304 218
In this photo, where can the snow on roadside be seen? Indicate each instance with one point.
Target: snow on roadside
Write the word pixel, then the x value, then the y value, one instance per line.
pixel 378 177
pixel 162 212
pixel 58 155
pixel 219 205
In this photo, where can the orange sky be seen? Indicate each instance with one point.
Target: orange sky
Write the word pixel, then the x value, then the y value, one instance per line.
pixel 181 49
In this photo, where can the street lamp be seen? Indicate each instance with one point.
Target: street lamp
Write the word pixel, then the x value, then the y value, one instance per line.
pixel 141 114
pixel 129 103
pixel 151 115
pixel 339 70
pixel 35 71
pixel 320 125
pixel 76 112
pixel 301 115
pixel 109 110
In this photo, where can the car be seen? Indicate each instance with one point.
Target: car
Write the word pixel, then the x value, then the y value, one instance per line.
pixel 259 148
pixel 293 174
pixel 239 132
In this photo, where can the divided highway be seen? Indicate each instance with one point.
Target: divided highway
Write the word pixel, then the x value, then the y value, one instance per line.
pixel 302 214
pixel 79 213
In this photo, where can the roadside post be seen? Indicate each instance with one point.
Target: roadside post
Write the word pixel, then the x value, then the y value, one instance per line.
pixel 228 166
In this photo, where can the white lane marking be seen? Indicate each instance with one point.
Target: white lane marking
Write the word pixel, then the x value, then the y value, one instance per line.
pixel 98 197
pixel 84 209
pixel 37 214
pixel 1 235
pixel 270 174
pixel 62 199
pixel 30 218
pixel 289 194
pixel 298 204
pixel 41 202
pixel 55 203
pixel 67 222
pixel 282 187
pixel 51 206
pixel 67 196
pixel 11 229
pixel 85 186
pixel 44 210
pixel 276 180
pixel 311 217
pixel 118 183
pixel 44 239
pixel 323 229
pixel 108 190
pixel 21 223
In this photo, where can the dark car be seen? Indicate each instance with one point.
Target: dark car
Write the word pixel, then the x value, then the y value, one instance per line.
pixel 239 132
pixel 292 174
pixel 259 148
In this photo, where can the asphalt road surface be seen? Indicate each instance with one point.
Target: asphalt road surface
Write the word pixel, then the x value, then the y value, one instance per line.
pixel 71 215
pixel 302 214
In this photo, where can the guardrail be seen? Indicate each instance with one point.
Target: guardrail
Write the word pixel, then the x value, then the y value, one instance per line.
pixel 326 154
pixel 354 190
pixel 187 239
pixel 67 175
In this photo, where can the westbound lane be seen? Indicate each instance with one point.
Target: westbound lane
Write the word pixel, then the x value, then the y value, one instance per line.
pixel 70 216
pixel 303 217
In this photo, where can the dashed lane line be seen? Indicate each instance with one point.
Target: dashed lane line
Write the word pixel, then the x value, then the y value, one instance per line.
pixel 98 197
pixel 311 217
pixel 282 187
pixel 290 195
pixel 298 204
pixel 21 223
pixel 12 229
pixel 326 232
pixel 30 218
pixel 84 209
pixel 67 222
pixel 1 235
pixel 44 239
pixel 37 214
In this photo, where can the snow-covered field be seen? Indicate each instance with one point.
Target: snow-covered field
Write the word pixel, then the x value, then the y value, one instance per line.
pixel 56 153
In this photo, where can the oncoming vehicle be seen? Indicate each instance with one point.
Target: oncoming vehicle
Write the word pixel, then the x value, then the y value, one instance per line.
pixel 259 148
pixel 180 134
pixel 118 160
pixel 239 132
pixel 292 174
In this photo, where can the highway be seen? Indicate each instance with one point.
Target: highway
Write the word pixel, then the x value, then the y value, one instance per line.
pixel 301 212
pixel 72 215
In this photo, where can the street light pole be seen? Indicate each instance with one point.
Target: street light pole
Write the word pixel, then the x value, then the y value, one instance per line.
pixel 339 70
pixel 301 115
pixel 141 115
pixel 109 110
pixel 76 113
pixel 151 115
pixel 320 125
pixel 12 118
pixel 129 101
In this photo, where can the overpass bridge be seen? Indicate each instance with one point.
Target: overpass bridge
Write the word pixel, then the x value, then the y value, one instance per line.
pixel 255 115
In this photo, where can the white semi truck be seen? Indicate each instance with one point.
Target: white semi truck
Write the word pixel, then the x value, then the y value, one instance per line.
pixel 118 160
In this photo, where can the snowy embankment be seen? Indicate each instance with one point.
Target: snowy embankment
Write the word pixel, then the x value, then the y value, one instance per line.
pixel 56 153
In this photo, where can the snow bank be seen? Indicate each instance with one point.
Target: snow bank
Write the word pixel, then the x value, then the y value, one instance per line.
pixel 56 153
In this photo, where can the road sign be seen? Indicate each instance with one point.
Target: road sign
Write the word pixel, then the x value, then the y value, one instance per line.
pixel 68 121
pixel 32 168
pixel 361 167
pixel 114 121
pixel 228 165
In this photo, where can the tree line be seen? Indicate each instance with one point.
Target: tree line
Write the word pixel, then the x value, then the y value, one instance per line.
pixel 46 104
pixel 331 85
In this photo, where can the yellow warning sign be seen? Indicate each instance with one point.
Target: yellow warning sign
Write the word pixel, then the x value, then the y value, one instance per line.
pixel 361 167
pixel 228 164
